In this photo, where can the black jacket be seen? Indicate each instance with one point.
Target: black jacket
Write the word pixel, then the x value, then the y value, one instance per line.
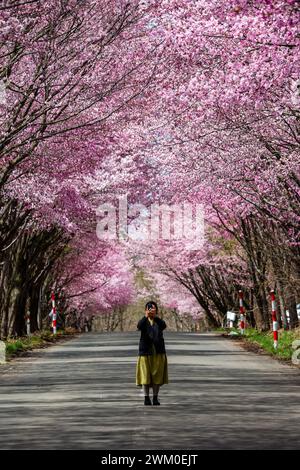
pixel 151 335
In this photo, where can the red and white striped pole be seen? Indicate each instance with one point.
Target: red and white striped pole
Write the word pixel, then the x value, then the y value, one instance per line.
pixel 242 312
pixel 53 313
pixel 274 319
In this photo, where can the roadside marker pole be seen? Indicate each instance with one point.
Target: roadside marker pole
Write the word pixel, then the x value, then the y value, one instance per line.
pixel 28 323
pixel 242 312
pixel 53 313
pixel 274 319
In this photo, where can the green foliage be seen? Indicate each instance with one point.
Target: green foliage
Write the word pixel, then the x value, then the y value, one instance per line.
pixel 39 340
pixel 13 346
pixel 266 342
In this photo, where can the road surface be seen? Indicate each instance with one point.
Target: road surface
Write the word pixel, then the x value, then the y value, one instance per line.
pixel 81 394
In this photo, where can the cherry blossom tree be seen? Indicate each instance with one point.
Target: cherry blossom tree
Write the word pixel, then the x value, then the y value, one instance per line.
pixel 168 102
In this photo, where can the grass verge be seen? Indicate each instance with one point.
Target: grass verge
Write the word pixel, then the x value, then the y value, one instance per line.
pixel 263 341
pixel 18 346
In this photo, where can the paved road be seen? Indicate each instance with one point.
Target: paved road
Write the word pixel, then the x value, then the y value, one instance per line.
pixel 81 395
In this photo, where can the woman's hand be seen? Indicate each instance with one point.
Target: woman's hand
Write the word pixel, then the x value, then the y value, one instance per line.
pixel 151 312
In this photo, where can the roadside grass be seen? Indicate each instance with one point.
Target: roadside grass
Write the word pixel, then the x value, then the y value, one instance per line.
pixel 17 346
pixel 265 340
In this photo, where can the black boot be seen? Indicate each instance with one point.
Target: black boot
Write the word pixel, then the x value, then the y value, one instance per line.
pixel 155 400
pixel 147 401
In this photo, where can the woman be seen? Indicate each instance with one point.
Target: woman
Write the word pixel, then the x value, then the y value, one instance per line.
pixel 152 365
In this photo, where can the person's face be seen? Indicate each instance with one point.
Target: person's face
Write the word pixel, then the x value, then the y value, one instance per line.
pixel 151 311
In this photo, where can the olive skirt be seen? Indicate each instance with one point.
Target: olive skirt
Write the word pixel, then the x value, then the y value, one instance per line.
pixel 152 369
